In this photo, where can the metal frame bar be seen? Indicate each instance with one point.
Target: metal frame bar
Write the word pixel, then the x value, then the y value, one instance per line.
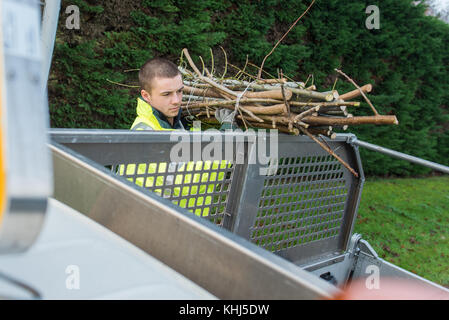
pixel 400 155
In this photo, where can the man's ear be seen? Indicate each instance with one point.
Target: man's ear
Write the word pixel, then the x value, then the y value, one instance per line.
pixel 145 95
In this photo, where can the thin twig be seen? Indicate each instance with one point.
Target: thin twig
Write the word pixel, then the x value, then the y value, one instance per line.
pixel 305 83
pixel 306 113
pixel 238 109
pixel 212 61
pixel 243 70
pixel 122 84
pixel 281 76
pixel 285 100
pixel 258 68
pixel 240 70
pixel 332 153
pixel 335 83
pixel 221 88
pixel 226 63
pixel 203 66
pixel 272 50
pixel 361 91
pixel 205 79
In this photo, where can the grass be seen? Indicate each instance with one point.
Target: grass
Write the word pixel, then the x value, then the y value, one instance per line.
pixel 407 223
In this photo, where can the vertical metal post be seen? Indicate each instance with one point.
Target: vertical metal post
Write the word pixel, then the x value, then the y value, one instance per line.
pixel 48 35
pixel 24 127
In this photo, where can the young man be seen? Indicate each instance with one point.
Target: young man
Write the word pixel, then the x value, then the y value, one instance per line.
pixel 159 106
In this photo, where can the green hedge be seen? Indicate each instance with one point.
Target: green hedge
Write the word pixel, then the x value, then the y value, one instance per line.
pixel 406 60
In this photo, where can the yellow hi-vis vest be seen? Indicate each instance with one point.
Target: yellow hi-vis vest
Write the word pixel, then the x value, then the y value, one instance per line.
pixel 195 188
pixel 149 118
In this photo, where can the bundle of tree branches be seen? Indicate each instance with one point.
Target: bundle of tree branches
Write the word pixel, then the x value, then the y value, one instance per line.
pixel 276 103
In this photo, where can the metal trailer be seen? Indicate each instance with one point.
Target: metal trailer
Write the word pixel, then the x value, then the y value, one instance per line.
pixel 282 229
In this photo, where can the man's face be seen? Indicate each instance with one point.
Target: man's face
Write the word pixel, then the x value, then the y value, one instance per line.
pixel 165 95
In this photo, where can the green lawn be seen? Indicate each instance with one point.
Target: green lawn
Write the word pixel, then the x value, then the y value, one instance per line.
pixel 407 223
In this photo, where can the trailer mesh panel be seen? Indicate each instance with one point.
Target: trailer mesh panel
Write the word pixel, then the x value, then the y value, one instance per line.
pixel 303 202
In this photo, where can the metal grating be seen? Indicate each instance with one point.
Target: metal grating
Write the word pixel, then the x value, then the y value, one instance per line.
pixel 302 208
pixel 303 202
pixel 201 187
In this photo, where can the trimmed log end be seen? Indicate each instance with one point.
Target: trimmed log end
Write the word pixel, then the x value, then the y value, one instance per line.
pixel 329 97
pixel 396 122
pixel 335 94
pixel 288 94
pixel 304 125
pixel 312 87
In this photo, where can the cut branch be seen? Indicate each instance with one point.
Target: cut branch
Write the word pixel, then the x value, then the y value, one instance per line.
pixel 272 50
pixel 276 109
pixel 360 90
pixel 330 151
pixel 218 103
pixel 306 113
pixel 355 93
pixel 325 104
pixel 352 120
pixel 313 94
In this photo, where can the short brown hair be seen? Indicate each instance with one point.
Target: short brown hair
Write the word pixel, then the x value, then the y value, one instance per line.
pixel 156 67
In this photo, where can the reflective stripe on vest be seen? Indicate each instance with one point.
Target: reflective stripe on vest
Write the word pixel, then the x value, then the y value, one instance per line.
pixel 142 126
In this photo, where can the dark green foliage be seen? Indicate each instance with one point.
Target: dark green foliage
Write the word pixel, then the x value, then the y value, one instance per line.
pixel 81 101
pixel 406 60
